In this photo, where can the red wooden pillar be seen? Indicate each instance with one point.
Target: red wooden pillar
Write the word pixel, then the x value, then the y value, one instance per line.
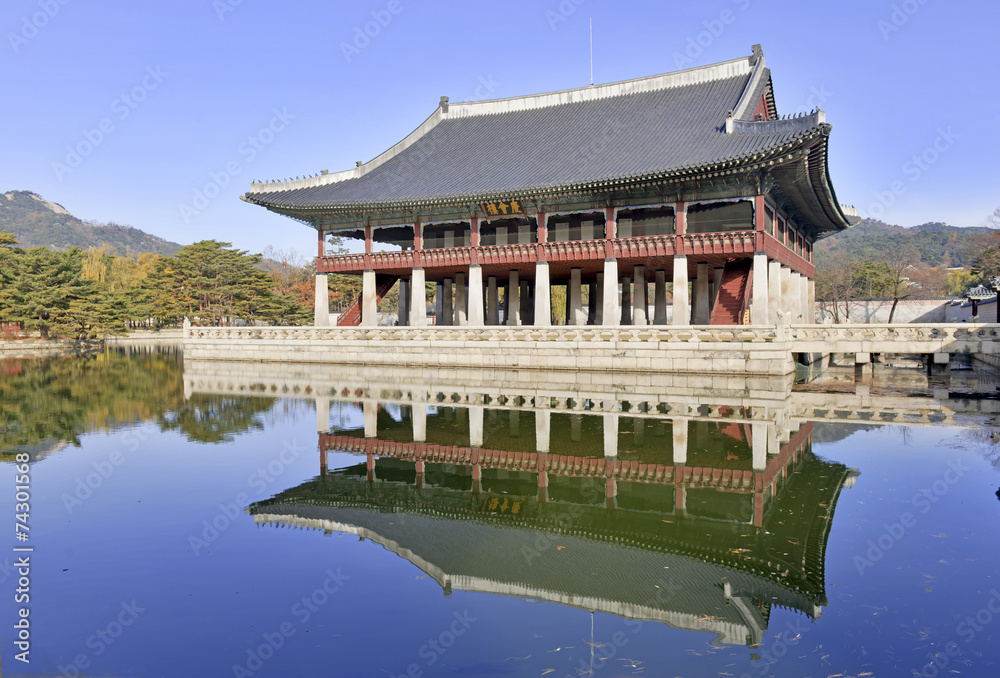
pixel 542 235
pixel 610 232
pixel 760 221
pixel 474 236
pixel 418 243
pixel 320 243
pixel 368 239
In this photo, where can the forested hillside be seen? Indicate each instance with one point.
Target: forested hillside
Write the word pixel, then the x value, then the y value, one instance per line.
pixel 38 222
pixel 936 244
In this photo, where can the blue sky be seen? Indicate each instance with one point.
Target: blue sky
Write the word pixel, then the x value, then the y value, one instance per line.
pixel 126 111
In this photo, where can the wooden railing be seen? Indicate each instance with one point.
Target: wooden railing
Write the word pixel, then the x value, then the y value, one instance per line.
pixel 732 242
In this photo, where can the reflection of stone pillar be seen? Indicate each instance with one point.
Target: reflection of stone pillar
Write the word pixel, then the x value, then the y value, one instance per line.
pixel 322 414
pixel 476 426
pixel 758 313
pixel 575 427
pixel 543 299
pixel 611 493
pixel 418 299
pixel 660 299
pixel 322 307
pixel 419 416
pixel 681 310
pixel 773 444
pixel 543 420
pixel 610 435
pixel 759 433
pixel 461 312
pixel 492 301
pixel 371 419
pixel 609 315
pixel 369 300
pixel 514 423
pixel 680 426
pixel 575 299
pixel 476 316
pixel 701 316
pixel 773 291
pixel 639 431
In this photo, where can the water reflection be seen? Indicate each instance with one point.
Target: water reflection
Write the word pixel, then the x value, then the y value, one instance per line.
pixel 672 520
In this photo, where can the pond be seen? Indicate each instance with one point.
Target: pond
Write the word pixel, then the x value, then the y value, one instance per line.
pixel 185 522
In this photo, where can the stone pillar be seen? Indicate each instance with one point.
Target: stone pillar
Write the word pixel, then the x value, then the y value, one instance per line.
pixel 773 291
pixel 609 313
pixel 591 303
pixel 543 296
pixel 461 303
pixel 322 414
pixel 492 301
pixel 640 303
pixel 610 435
pixel 419 415
pixel 370 408
pixel 527 304
pixel 446 308
pixel 574 296
pixel 476 426
pixel 660 299
pixel 811 304
pixel 626 301
pixel 681 311
pixel 680 429
pixel 513 301
pixel 543 425
pixel 701 312
pixel 808 310
pixel 476 317
pixel 369 300
pixel 759 445
pixel 322 309
pixel 758 313
pixel 418 299
pixel 794 297
pixel 403 307
pixel 785 294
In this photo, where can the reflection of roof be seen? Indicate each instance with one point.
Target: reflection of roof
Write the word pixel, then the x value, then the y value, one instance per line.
pixel 695 573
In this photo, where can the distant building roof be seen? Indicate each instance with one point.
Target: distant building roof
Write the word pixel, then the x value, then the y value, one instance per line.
pixel 662 127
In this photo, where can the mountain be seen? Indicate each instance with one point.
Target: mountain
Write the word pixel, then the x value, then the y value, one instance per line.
pixel 937 244
pixel 37 222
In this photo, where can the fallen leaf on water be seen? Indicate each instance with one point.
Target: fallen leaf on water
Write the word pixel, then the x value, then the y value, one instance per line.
pixel 547 671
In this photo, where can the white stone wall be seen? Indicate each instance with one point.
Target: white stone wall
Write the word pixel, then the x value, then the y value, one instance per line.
pixel 907 311
pixel 962 313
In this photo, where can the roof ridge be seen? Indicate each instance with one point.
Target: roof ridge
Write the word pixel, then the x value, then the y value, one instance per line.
pixel 742 66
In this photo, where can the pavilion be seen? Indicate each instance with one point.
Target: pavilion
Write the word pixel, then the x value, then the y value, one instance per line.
pixel 690 178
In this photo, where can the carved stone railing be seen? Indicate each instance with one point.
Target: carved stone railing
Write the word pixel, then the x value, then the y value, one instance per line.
pixel 902 338
pixel 652 335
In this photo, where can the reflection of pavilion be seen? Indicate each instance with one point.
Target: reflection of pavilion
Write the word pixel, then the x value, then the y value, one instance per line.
pixel 691 523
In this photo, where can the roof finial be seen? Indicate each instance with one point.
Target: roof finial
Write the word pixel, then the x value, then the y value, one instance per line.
pixel 444 104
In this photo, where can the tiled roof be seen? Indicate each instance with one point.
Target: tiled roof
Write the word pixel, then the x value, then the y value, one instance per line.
pixel 663 125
